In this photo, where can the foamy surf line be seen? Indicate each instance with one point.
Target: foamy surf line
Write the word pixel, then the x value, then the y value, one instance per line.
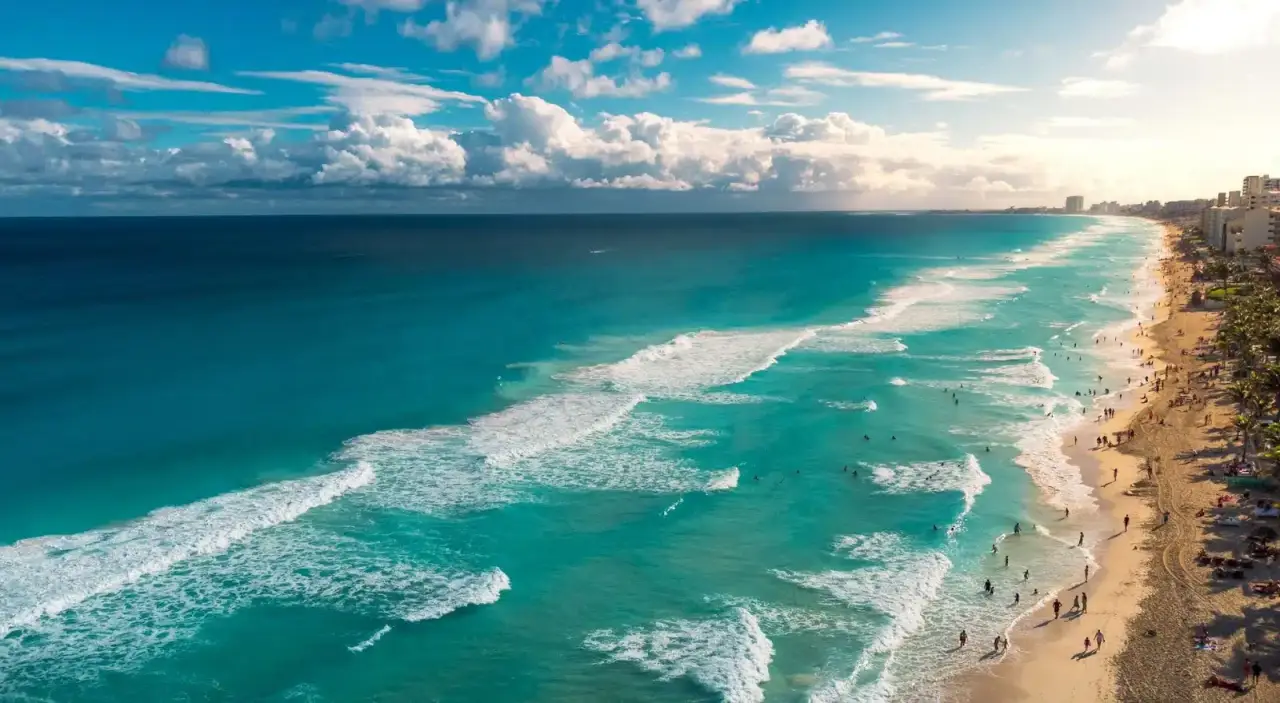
pixel 45 576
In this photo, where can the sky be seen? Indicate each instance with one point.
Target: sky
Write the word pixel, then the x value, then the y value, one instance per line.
pixel 327 106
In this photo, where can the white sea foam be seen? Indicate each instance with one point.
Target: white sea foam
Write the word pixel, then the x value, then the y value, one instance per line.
pixel 901 588
pixel 848 339
pixel 723 480
pixel 1039 444
pixel 45 576
pixel 303 563
pixel 728 656
pixel 673 506
pixel 372 640
pixel 779 620
pixel 694 362
pixel 442 472
pixel 877 546
pixel 964 476
pixel 897 382
pixel 1031 374
pixel 864 406
pixel 546 423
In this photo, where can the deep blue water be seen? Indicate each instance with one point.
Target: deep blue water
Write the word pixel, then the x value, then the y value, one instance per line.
pixel 533 458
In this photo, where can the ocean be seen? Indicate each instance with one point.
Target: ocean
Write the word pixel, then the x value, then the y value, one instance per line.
pixel 626 458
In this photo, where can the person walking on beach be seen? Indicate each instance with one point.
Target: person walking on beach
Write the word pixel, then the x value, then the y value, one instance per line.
pixel 1075 603
pixel 1057 606
pixel 964 637
pixel 1126 523
pixel 994 550
pixel 1006 561
pixel 987 587
pixel 1026 575
pixel 1017 597
pixel 1084 602
pixel 1115 475
pixel 1067 513
pixel 1086 572
pixel 1086 644
pixel 1097 638
pixel 995 646
pixel 1080 542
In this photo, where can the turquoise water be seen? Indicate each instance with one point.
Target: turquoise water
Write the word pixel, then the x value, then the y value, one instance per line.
pixel 541 459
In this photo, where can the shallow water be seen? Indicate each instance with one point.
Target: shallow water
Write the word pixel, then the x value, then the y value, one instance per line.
pixel 540 458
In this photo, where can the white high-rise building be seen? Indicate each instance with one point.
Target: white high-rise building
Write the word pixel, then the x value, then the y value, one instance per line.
pixel 1075 204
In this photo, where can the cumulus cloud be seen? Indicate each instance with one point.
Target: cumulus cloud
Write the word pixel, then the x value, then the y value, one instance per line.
pixel 580 79
pixel 485 25
pixel 1076 87
pixel 932 87
pixel 895 45
pixel 531 143
pixel 189 53
pixel 678 14
pixel 692 51
pixel 115 78
pixel 807 37
pixel 647 58
pixel 1205 27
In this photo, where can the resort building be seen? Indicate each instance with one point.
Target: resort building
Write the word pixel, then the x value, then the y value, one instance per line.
pixel 1255 228
pixel 1214 222
pixel 1233 199
pixel 1222 200
pixel 1075 204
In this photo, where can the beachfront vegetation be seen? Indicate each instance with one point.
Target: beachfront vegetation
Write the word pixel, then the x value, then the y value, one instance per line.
pixel 1249 335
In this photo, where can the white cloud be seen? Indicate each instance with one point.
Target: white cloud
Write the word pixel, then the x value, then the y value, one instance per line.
pixel 647 58
pixel 895 45
pixel 933 87
pixel 331 27
pixel 278 118
pixel 745 98
pixel 372 6
pixel 677 14
pixel 882 36
pixel 391 73
pixel 732 82
pixel 372 95
pixel 692 51
pixel 188 52
pixel 1076 87
pixel 609 52
pixel 1205 27
pixel 807 37
pixel 786 96
pixel 388 150
pixel 935 47
pixel 1087 122
pixel 530 142
pixel 122 80
pixel 579 78
pixel 484 25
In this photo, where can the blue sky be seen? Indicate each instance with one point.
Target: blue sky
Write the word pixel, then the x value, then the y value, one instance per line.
pixel 218 106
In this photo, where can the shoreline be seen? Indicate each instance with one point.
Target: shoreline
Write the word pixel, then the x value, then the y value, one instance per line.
pixel 1046 661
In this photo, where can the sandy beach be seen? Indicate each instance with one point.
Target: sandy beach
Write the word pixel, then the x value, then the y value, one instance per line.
pixel 1147 594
